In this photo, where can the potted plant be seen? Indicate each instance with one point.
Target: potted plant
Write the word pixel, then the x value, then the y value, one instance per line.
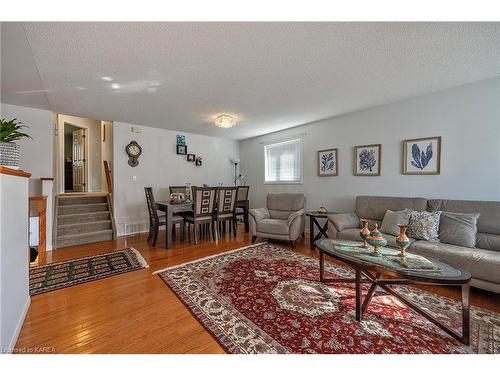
pixel 10 132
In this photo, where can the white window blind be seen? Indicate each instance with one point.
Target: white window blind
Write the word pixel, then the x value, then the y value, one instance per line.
pixel 283 162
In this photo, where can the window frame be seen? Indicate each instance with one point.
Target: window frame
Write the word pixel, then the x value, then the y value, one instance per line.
pixel 301 162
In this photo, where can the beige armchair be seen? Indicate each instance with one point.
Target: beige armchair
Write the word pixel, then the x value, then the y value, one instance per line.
pixel 282 219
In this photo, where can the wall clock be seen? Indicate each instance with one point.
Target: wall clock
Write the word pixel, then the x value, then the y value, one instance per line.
pixel 133 151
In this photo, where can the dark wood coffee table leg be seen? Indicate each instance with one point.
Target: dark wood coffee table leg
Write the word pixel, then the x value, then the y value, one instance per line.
pixel 311 232
pixel 466 314
pixel 358 294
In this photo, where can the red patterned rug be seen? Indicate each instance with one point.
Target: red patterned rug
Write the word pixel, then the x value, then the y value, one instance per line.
pixel 267 299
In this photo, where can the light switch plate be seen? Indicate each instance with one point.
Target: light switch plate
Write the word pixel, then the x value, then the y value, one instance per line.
pixel 134 178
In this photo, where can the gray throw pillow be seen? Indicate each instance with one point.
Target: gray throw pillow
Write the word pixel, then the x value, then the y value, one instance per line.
pixel 424 225
pixel 392 219
pixel 458 228
pixel 344 221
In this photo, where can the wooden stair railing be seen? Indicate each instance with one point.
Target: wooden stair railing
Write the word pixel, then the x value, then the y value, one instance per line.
pixel 39 204
pixel 107 171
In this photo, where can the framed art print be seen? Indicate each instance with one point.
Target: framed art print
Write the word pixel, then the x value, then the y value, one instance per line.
pixel 422 156
pixel 181 139
pixel 328 162
pixel 198 161
pixel 191 157
pixel 182 149
pixel 367 160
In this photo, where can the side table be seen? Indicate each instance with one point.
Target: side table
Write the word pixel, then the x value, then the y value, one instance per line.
pixel 313 222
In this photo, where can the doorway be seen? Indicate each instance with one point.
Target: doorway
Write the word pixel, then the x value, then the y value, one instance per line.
pixel 75 158
pixel 81 147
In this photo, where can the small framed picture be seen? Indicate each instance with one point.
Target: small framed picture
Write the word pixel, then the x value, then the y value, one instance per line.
pixel 191 157
pixel 182 149
pixel 367 160
pixel 327 162
pixel 422 156
pixel 198 161
pixel 181 139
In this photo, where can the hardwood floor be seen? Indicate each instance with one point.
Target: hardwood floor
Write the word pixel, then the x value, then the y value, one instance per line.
pixel 136 312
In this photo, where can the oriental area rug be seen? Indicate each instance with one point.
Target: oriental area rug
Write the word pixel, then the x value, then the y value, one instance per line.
pixel 77 271
pixel 268 299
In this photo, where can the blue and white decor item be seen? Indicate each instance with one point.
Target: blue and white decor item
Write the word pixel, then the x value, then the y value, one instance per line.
pixel 367 160
pixel 181 139
pixel 328 162
pixel 422 156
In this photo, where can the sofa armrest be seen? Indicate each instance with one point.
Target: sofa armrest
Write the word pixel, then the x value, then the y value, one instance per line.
pixel 259 213
pixel 295 215
pixel 344 221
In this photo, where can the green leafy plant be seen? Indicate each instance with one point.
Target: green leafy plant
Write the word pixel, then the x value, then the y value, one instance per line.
pixel 10 131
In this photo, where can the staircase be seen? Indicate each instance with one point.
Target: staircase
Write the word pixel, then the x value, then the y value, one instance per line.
pixel 82 219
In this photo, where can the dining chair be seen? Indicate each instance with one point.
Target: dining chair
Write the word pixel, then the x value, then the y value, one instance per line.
pixel 203 211
pixel 156 220
pixel 226 204
pixel 183 190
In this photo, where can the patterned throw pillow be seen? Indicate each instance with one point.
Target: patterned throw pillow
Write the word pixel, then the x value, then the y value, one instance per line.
pixel 424 225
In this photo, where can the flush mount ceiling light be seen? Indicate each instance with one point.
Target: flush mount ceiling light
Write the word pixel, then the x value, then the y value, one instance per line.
pixel 225 120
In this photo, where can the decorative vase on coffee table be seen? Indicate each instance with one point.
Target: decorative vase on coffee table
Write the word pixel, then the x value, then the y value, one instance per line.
pixel 376 240
pixel 364 232
pixel 402 240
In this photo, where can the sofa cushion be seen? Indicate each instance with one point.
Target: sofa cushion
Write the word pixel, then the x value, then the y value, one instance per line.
pixel 344 221
pixel 482 264
pixel 372 207
pixel 392 219
pixel 458 228
pixel 273 226
pixel 489 221
pixel 488 241
pixel 353 235
pixel 424 225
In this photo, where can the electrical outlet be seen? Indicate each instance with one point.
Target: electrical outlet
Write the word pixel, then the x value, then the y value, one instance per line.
pixel 134 178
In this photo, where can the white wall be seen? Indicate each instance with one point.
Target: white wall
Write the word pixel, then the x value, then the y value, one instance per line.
pixel 160 167
pixel 36 154
pixel 14 262
pixel 467 118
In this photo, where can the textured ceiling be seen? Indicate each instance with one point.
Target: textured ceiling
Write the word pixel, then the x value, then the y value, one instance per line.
pixel 271 75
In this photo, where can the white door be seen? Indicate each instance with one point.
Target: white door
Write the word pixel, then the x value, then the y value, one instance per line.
pixel 79 161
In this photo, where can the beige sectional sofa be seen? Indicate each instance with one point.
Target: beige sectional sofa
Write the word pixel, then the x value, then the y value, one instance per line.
pixel 482 261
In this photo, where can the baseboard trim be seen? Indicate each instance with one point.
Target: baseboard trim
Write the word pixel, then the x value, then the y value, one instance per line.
pixel 19 325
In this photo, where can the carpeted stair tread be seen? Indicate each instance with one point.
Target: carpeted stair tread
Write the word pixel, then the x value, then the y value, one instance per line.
pixel 81 199
pixel 80 208
pixel 82 217
pixel 83 238
pixel 83 227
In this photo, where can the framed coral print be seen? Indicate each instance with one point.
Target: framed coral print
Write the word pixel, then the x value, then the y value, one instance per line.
pixel 422 156
pixel 327 162
pixel 367 160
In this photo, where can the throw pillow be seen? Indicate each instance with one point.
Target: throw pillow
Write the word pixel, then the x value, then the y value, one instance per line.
pixel 458 228
pixel 424 225
pixel 392 219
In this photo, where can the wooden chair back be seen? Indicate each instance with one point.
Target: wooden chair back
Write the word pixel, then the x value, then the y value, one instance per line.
pixel 204 202
pixel 226 200
pixel 242 194
pixel 150 200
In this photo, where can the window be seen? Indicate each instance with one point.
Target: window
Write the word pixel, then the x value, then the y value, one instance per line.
pixel 283 162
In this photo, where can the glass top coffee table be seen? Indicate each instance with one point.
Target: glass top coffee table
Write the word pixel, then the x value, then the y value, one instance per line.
pixel 408 270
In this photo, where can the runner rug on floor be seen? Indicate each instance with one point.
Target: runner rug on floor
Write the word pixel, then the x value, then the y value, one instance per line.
pixel 268 299
pixel 77 271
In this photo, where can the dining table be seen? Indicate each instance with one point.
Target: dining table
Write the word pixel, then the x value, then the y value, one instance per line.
pixel 170 209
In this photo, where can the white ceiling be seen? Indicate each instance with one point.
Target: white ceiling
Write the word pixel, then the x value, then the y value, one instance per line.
pixel 271 75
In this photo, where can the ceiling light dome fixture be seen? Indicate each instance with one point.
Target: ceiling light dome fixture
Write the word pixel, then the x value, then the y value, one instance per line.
pixel 225 120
